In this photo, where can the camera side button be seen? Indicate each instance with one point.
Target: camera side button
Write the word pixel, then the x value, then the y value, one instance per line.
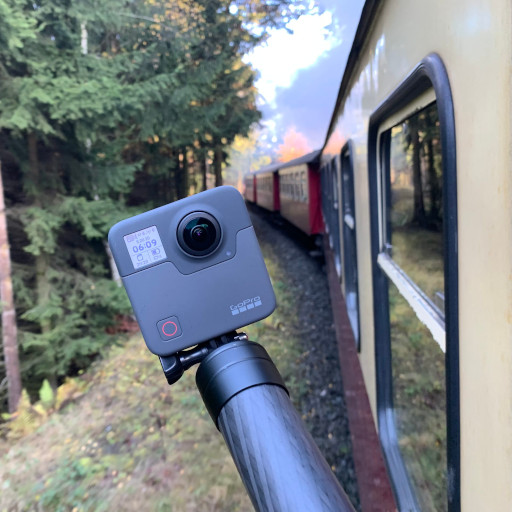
pixel 169 328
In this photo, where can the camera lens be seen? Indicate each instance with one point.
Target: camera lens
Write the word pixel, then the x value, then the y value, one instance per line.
pixel 199 234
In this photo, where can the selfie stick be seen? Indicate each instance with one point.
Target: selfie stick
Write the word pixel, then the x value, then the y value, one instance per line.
pixel 278 461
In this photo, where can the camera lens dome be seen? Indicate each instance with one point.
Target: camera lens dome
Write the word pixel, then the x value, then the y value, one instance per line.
pixel 199 234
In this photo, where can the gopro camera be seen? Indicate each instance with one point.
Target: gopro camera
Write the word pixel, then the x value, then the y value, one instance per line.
pixel 193 270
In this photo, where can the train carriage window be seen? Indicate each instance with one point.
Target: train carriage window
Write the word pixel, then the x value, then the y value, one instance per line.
pixel 413 197
pixel 348 219
pixel 335 239
pixel 414 226
pixel 326 197
pixel 324 192
pixel 419 402
pixel 303 187
pixel 412 258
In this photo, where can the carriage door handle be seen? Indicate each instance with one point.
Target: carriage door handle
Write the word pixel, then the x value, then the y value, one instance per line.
pixel 349 220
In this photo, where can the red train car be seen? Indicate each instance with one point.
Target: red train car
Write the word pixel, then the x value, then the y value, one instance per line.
pixel 299 192
pixel 250 188
pixel 293 189
pixel 267 189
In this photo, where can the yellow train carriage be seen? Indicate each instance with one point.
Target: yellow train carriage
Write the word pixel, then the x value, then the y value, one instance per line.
pixel 419 154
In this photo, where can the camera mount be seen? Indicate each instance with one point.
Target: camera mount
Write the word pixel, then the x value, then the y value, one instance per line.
pixel 177 364
pixel 234 364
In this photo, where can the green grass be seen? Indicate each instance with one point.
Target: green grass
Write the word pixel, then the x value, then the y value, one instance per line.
pixel 419 402
pixel 129 443
pixel 420 254
pixel 417 360
pixel 418 251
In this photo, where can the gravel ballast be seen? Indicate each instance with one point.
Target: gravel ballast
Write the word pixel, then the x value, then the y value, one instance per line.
pixel 320 401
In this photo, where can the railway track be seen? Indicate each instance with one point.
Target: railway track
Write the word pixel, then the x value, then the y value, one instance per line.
pixel 321 403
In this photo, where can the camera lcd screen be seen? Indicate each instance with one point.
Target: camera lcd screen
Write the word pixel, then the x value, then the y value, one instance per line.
pixel 145 247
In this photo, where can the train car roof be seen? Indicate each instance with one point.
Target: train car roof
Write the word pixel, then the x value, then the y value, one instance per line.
pixel 368 13
pixel 305 159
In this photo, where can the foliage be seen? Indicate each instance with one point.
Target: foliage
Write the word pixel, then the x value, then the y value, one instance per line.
pixel 46 395
pixel 245 155
pixel 294 145
pixel 107 108
pixel 421 158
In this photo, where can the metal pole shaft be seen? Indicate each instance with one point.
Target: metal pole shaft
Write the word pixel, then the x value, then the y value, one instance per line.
pixel 278 461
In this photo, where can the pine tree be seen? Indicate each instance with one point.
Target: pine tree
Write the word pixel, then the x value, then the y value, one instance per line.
pixel 90 137
pixel 54 101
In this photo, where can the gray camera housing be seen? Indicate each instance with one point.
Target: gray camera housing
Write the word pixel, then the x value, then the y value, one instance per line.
pixel 179 299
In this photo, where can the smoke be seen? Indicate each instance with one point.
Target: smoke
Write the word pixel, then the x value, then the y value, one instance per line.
pixel 309 102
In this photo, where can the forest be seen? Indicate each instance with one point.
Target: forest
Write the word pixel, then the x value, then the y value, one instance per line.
pixel 107 108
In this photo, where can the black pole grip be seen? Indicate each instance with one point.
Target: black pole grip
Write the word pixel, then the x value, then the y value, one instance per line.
pixel 232 368
pixel 278 461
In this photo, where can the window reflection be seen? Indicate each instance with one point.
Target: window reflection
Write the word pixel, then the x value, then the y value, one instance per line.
pixel 415 211
pixel 413 223
pixel 349 242
pixel 419 402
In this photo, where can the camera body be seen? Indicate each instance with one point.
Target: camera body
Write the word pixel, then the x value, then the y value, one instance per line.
pixel 193 270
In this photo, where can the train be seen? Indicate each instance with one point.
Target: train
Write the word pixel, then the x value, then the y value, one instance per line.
pixel 412 190
pixel 292 189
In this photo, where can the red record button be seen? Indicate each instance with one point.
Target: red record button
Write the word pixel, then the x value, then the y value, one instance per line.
pixel 169 328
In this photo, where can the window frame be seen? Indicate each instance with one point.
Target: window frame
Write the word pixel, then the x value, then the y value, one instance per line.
pixel 347 199
pixel 428 313
pixel 335 177
pixel 430 73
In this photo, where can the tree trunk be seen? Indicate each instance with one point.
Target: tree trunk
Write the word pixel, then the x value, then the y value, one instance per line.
pixel 433 182
pixel 116 277
pixel 217 165
pixel 9 328
pixel 33 161
pixel 43 288
pixel 182 176
pixel 204 183
pixel 419 206
pixel 185 176
pixel 41 260
pixel 85 37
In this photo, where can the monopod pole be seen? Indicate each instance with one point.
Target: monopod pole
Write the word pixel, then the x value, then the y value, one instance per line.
pixel 278 461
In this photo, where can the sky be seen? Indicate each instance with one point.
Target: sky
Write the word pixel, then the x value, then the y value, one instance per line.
pixel 300 73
